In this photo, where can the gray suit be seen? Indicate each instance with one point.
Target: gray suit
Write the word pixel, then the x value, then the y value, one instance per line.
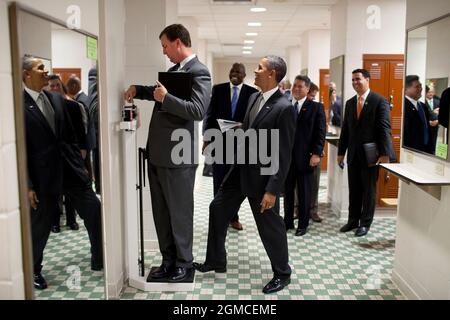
pixel 172 185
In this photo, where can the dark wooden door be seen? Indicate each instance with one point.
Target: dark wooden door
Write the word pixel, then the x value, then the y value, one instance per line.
pixel 66 73
pixel 386 72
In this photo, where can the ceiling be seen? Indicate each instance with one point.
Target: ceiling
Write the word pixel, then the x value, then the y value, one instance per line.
pixel 223 25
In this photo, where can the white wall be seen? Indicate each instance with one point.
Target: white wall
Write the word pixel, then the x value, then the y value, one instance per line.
pixel 222 69
pixel 294 62
pixel 438 49
pixel 315 53
pixel 35 36
pixel 417 57
pixel 11 269
pixel 69 51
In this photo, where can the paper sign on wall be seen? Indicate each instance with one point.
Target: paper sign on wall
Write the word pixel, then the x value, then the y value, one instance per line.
pixel 441 150
pixel 91 45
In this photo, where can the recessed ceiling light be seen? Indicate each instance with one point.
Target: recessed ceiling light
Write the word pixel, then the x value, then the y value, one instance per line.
pixel 258 9
pixel 251 34
pixel 246 52
pixel 249 41
pixel 247 48
pixel 254 24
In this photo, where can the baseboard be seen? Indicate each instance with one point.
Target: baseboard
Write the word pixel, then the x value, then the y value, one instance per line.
pixel 406 290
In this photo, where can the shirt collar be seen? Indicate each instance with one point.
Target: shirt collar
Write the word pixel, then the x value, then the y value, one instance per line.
pixel 268 94
pixel 414 102
pixel 364 96
pixel 300 102
pixel 239 86
pixel 185 61
pixel 32 93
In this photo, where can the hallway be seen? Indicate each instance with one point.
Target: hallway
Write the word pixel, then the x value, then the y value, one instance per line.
pixel 327 265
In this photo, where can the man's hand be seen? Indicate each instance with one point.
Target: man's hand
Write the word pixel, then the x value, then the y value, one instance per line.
pixel 268 201
pixel 205 144
pixel 383 159
pixel 340 160
pixel 314 161
pixel 160 92
pixel 83 153
pixel 130 94
pixel 32 197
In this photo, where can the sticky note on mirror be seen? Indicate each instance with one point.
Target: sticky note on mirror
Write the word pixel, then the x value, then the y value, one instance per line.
pixel 441 150
pixel 91 47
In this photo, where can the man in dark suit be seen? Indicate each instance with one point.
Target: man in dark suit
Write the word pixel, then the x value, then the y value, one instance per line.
pixel 55 167
pixel 416 118
pixel 268 112
pixel 432 102
pixel 229 102
pixel 443 108
pixel 308 148
pixel 366 120
pixel 171 183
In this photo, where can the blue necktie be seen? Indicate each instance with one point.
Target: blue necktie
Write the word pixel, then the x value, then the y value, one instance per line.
pixel 420 107
pixel 295 110
pixel 234 101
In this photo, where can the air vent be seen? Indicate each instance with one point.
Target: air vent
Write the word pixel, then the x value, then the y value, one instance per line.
pixel 233 1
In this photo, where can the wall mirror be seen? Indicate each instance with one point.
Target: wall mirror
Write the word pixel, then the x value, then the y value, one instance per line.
pixel 427 48
pixel 72 263
pixel 336 93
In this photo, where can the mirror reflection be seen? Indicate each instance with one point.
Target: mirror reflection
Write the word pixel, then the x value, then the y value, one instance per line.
pixel 427 73
pixel 336 89
pixel 61 126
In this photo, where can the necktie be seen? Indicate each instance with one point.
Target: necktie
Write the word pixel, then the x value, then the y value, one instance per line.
pixel 421 110
pixel 234 101
pixel 359 107
pixel 295 110
pixel 255 110
pixel 48 111
pixel 176 67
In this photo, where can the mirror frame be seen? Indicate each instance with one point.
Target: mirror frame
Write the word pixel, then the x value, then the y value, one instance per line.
pixel 433 156
pixel 16 61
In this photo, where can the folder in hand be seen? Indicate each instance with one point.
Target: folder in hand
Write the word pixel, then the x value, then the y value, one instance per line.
pixel 226 125
pixel 372 154
pixel 178 84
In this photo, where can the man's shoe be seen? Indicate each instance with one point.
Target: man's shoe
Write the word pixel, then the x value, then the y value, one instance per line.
pixel 300 232
pixel 74 226
pixel 348 227
pixel 276 284
pixel 207 268
pixel 179 274
pixel 316 218
pixel 236 225
pixel 39 282
pixel 361 231
pixel 56 229
pixel 161 272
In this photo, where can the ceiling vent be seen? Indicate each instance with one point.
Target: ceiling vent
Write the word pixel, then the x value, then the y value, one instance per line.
pixel 233 1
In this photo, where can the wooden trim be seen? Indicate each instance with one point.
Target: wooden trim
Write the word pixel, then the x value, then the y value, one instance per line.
pixel 383 57
pixel 24 209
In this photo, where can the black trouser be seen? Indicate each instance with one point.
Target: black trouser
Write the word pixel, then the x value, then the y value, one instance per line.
pixel 303 179
pixel 314 208
pixel 172 193
pixel 70 214
pixel 362 185
pixel 96 169
pixel 270 227
pixel 219 173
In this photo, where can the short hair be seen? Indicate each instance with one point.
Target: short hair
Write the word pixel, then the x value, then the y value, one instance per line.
pixel 278 64
pixel 305 79
pixel 238 65
pixel 177 31
pixel 313 87
pixel 409 80
pixel 428 88
pixel 73 84
pixel 364 72
pixel 27 62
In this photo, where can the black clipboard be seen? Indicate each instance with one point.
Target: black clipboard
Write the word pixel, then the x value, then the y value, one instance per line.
pixel 372 154
pixel 178 84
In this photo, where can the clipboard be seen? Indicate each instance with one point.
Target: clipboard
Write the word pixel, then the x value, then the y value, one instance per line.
pixel 178 84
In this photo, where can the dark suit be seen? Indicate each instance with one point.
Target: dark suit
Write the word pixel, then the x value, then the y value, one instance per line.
pixel 373 125
pixel 443 108
pixel 433 116
pixel 171 184
pixel 55 167
pixel 336 107
pixel 220 108
pixel 309 140
pixel 246 181
pixel 413 127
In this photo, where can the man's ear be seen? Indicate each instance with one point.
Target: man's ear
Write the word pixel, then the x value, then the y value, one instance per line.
pixel 25 75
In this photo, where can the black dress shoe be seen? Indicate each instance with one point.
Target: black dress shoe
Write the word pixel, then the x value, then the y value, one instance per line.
pixel 300 232
pixel 39 282
pixel 289 227
pixel 276 284
pixel 161 272
pixel 361 231
pixel 179 274
pixel 74 226
pixel 56 229
pixel 348 227
pixel 207 268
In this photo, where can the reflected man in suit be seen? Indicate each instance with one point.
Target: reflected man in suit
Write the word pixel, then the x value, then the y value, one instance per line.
pixel 366 120
pixel 229 102
pixel 268 110
pixel 432 102
pixel 444 109
pixel 172 184
pixel 307 151
pixel 55 167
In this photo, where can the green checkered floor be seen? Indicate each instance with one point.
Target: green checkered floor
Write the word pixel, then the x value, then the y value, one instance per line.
pixel 326 264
